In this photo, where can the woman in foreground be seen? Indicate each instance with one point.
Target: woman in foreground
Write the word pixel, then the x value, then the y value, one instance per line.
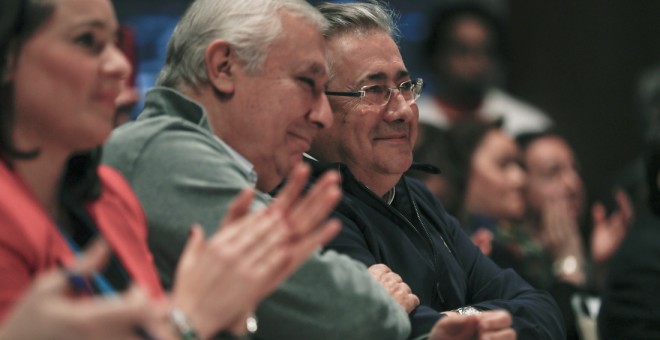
pixel 60 73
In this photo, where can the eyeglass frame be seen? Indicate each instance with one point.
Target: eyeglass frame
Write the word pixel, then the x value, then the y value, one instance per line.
pixel 362 92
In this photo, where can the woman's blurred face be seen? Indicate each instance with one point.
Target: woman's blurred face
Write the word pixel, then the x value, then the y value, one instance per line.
pixel 67 77
pixel 496 183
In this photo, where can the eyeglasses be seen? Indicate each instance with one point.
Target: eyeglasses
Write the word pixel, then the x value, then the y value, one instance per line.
pixel 379 95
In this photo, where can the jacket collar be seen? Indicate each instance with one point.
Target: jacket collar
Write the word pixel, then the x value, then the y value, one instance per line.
pixel 164 101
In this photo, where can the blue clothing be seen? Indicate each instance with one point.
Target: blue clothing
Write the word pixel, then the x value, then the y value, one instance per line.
pixel 421 242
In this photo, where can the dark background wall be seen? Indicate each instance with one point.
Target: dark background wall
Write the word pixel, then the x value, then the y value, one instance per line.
pixel 577 60
pixel 580 61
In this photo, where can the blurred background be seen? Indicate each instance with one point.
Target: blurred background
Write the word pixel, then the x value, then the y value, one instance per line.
pixel 579 61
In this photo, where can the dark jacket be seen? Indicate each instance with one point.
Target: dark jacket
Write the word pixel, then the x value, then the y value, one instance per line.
pixel 418 240
pixel 631 300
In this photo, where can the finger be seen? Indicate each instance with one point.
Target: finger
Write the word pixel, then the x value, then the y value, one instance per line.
pixel 599 215
pixel 194 246
pixel 624 205
pixel 303 248
pixel 269 235
pixel 93 259
pixel 451 327
pixel 317 204
pixel 415 300
pixel 397 278
pixel 239 207
pixel 231 233
pixel 378 270
pixel 494 320
pixel 294 186
pixel 322 196
pixel 502 334
pixel 274 269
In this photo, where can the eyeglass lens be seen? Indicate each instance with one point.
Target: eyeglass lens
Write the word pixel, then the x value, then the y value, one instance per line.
pixel 380 94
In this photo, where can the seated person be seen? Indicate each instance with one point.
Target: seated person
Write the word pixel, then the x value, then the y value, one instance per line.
pixel 60 73
pixel 556 219
pixel 631 297
pixel 465 50
pixel 393 222
pixel 484 179
pixel 239 100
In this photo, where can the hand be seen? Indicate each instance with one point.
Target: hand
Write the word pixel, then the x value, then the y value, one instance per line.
pixel 394 285
pixel 496 324
pixel 483 239
pixel 559 229
pixel 252 253
pixel 455 327
pixel 49 309
pixel 608 233
pixel 560 235
pixel 488 324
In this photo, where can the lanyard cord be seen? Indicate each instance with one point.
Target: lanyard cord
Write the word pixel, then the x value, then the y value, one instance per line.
pixel 99 280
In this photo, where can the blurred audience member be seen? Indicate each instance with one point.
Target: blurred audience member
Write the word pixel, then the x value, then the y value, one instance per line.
pixel 556 198
pixel 631 297
pixel 464 50
pixel 129 96
pixel 480 164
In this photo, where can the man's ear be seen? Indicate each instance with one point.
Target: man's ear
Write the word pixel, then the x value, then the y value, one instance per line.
pixel 221 66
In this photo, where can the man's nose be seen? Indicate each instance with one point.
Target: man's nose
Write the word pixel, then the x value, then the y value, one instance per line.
pixel 321 113
pixel 398 108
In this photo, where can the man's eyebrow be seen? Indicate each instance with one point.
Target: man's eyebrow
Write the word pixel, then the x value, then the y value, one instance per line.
pixel 379 76
pixel 402 74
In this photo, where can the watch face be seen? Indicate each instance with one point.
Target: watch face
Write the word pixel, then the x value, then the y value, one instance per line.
pixel 468 311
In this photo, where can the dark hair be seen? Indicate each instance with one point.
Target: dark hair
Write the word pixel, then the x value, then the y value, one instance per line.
pixel 525 139
pixel 451 150
pixel 19 19
pixel 445 18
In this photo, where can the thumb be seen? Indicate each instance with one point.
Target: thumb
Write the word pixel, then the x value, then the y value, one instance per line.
pixel 598 214
pixel 194 247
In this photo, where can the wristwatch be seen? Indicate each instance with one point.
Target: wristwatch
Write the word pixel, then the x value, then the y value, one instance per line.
pixel 467 310
pixel 566 266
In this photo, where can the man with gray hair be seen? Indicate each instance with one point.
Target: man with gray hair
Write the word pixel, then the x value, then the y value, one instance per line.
pixel 394 224
pixel 239 100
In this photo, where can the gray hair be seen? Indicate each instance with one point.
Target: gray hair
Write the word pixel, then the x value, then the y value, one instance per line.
pixel 250 27
pixel 359 18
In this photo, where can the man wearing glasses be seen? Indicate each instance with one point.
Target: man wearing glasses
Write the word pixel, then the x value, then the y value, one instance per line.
pixel 393 223
pixel 239 100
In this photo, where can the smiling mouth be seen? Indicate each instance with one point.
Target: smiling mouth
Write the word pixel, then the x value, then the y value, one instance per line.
pixel 397 138
pixel 306 141
pixel 108 98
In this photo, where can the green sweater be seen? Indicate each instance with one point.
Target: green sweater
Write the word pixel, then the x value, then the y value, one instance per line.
pixel 182 173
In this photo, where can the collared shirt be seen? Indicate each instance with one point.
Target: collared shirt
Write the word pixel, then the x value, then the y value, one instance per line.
pixel 247 166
